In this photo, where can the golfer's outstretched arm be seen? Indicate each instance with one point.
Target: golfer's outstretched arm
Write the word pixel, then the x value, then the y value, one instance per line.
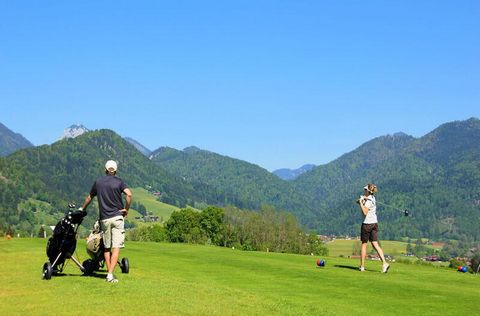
pixel 87 201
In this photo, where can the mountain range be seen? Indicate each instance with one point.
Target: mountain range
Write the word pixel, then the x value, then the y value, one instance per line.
pixel 144 150
pixel 292 174
pixel 436 177
pixel 235 182
pixel 11 142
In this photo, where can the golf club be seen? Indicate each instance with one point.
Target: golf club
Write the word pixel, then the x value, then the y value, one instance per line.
pixel 405 212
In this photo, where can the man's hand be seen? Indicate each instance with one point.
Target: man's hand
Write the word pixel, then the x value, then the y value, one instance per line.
pixel 124 212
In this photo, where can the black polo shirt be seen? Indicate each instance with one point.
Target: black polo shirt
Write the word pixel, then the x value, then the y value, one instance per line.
pixel 108 190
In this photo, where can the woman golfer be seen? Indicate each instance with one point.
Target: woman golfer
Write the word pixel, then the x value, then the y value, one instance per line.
pixel 369 231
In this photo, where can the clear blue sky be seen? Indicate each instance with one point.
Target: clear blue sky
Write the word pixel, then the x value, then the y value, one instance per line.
pixel 276 83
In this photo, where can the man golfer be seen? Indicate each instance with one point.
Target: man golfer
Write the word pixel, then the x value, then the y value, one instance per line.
pixel 108 190
pixel 369 230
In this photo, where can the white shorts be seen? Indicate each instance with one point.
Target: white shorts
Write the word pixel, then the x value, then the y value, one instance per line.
pixel 113 232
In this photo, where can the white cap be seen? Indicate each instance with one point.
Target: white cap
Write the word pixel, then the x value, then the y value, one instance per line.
pixel 111 165
pixel 366 188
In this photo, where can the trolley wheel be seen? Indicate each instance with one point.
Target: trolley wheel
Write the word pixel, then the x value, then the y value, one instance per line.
pixel 96 265
pixel 124 265
pixel 88 267
pixel 47 271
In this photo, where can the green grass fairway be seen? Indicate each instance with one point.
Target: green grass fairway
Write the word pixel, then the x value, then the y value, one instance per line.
pixel 179 279
pixel 343 247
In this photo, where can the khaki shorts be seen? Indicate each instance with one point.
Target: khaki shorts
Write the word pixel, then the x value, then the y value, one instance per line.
pixel 113 232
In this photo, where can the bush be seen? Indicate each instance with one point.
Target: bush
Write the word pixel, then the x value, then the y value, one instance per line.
pixel 155 233
pixel 475 261
pixel 455 262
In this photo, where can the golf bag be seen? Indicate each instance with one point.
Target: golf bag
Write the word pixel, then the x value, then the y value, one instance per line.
pixel 61 246
pixel 95 249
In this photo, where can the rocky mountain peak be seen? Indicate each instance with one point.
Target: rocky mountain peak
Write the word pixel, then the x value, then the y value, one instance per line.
pixel 74 131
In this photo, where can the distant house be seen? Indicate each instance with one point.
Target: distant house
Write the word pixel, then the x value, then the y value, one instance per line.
pixel 157 193
pixel 438 245
pixel 432 258
pixel 325 238
pixel 148 218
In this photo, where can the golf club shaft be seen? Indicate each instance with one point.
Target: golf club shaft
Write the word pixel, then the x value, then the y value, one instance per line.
pixel 390 206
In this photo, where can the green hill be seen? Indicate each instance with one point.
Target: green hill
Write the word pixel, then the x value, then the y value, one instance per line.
pixel 65 171
pixel 152 204
pixel 436 177
pixel 235 182
pixel 180 279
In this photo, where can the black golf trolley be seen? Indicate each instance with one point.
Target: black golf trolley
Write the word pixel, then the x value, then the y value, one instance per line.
pixel 62 244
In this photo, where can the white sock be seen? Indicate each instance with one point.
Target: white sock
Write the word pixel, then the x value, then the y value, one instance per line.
pixel 110 276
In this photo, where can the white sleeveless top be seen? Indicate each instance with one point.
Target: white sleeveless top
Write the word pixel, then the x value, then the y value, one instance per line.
pixel 371 204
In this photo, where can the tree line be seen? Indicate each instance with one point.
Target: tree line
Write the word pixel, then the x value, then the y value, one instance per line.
pixel 266 230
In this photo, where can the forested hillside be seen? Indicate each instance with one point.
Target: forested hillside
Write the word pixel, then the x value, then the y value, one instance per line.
pixel 249 185
pixel 65 171
pixel 437 177
pixel 11 142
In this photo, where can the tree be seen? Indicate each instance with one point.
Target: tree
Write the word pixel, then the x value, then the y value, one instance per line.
pixel 180 225
pixel 41 232
pixel 316 246
pixel 475 261
pixel 211 223
pixel 357 248
pixel 409 248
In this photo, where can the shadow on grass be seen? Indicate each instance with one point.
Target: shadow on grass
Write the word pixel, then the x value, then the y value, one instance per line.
pixel 100 275
pixel 346 267
pixel 352 268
